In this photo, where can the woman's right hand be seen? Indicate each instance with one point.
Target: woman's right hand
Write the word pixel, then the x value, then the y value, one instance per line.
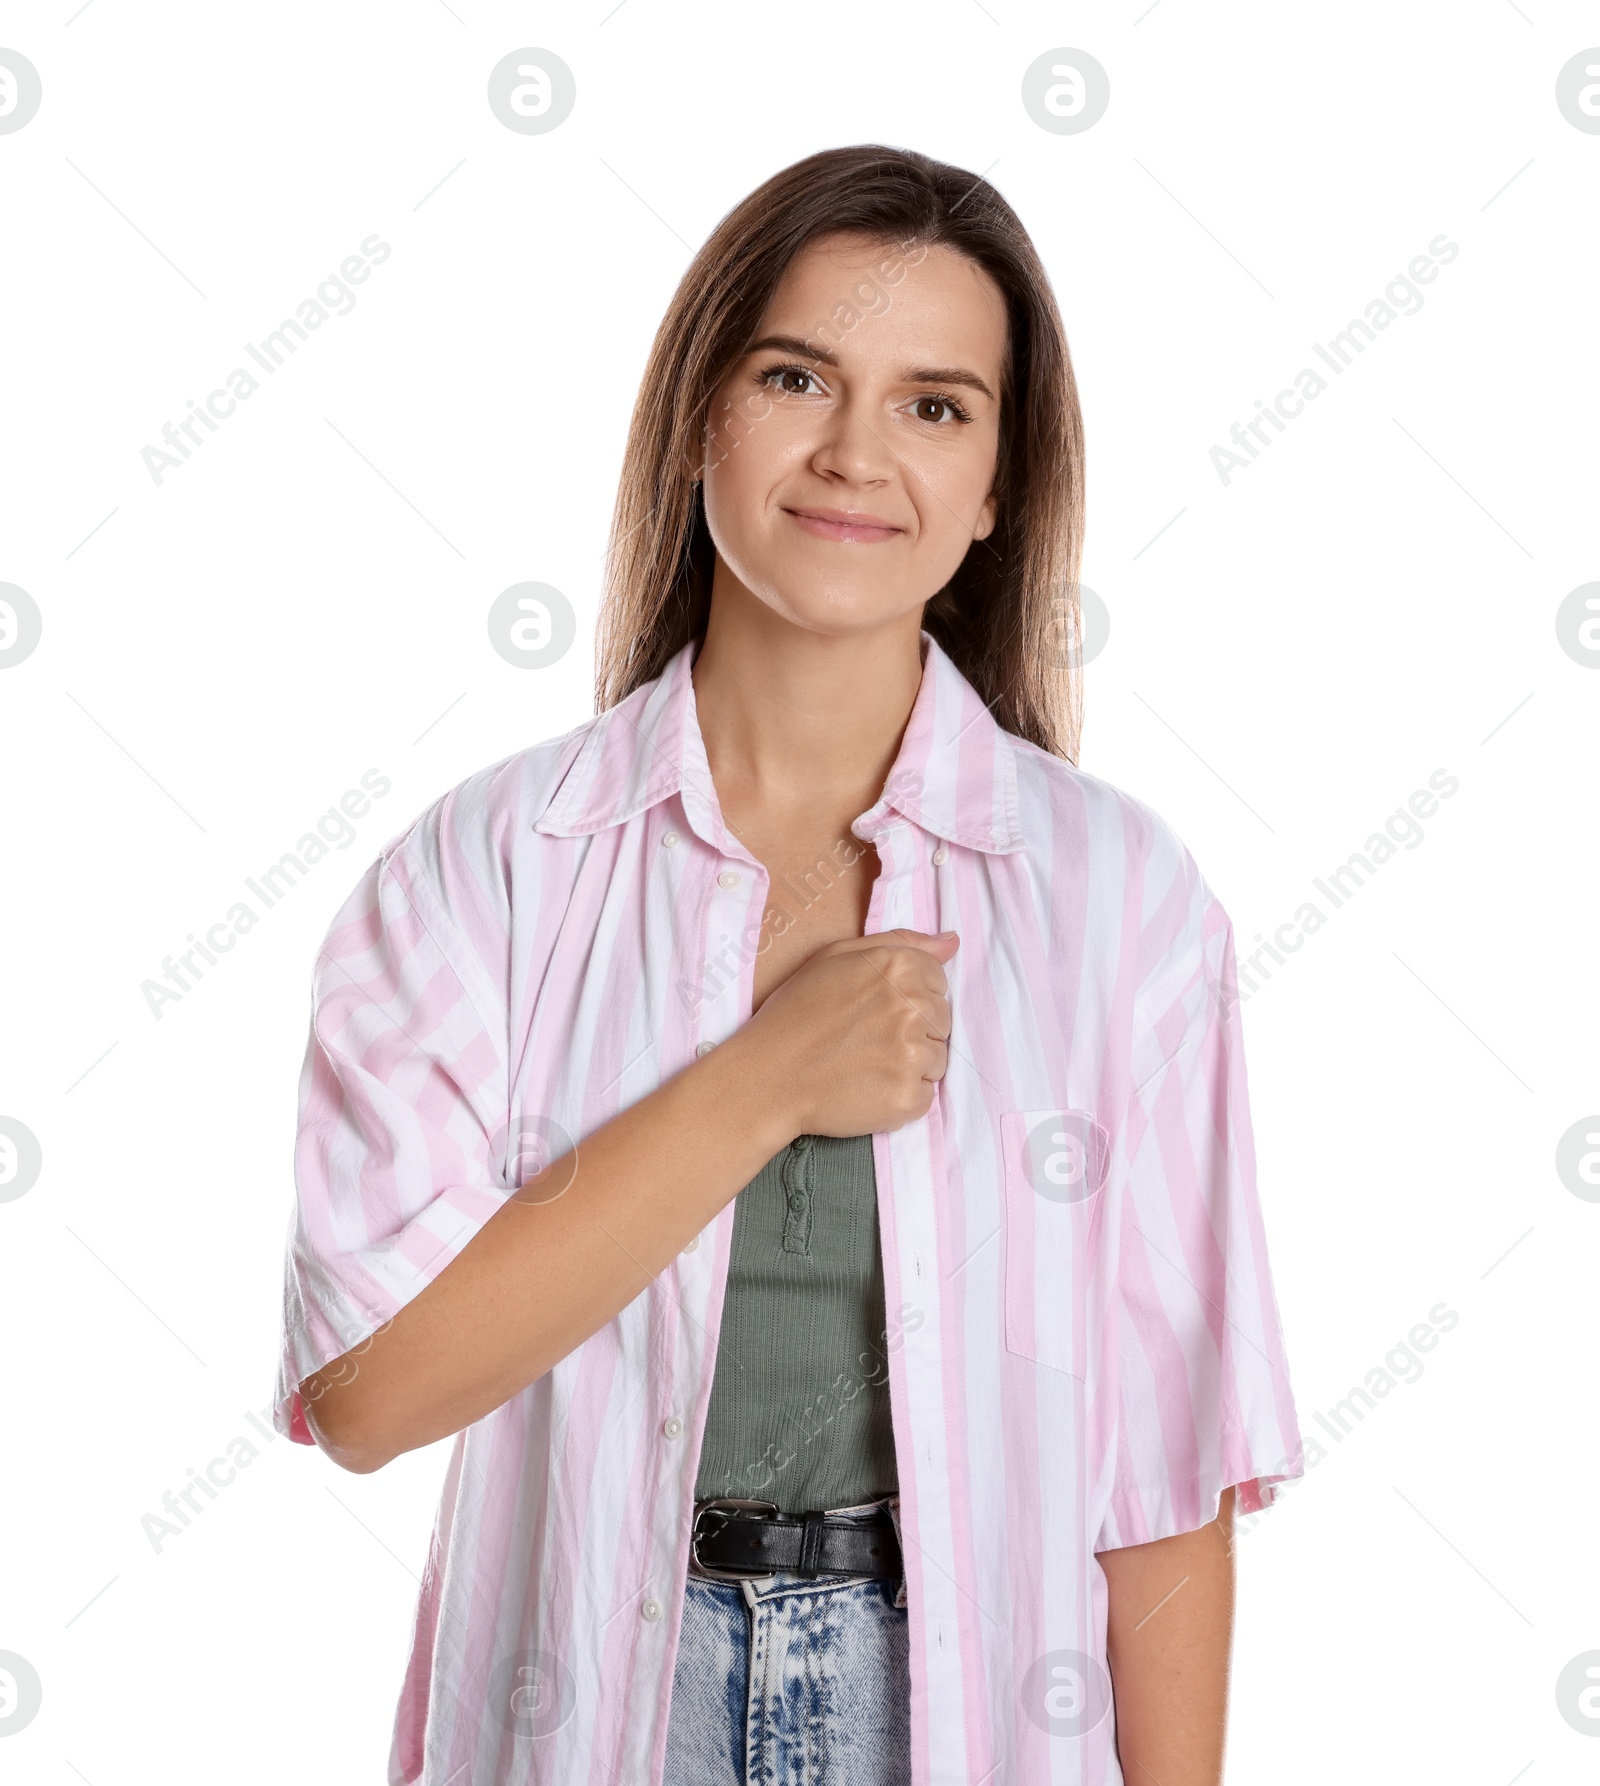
pixel 854 1040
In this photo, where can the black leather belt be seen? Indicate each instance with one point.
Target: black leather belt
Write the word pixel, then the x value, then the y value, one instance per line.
pixel 735 1540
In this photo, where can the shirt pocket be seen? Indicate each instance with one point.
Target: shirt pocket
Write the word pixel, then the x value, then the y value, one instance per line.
pixel 1055 1168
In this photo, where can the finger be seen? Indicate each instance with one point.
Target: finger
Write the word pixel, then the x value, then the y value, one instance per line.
pixel 934 1013
pixel 922 979
pixel 919 983
pixel 941 947
pixel 933 976
pixel 910 965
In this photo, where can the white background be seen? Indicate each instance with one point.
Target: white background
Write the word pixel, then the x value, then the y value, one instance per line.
pixel 1291 655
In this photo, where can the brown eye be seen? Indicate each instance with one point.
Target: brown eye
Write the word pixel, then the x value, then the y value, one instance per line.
pixel 778 379
pixel 935 403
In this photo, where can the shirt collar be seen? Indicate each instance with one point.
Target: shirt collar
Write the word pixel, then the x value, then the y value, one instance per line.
pixel 955 775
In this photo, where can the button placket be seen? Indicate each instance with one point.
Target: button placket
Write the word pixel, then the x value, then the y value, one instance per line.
pixel 798 1177
pixel 726 966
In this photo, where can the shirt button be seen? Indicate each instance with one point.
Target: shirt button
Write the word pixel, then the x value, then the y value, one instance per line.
pixel 940 856
pixel 693 1243
pixel 669 839
pixel 704 1049
pixel 651 1610
pixel 727 880
pixel 797 1200
pixel 672 1426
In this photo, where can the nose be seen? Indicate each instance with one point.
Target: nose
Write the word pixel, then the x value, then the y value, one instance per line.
pixel 852 446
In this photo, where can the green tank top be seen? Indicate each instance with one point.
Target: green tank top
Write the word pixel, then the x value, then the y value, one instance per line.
pixel 799 1408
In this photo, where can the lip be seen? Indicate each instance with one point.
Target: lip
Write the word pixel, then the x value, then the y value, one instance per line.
pixel 844 524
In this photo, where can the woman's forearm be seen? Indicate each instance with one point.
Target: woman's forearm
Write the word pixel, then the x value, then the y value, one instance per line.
pixel 1169 1635
pixel 565 1253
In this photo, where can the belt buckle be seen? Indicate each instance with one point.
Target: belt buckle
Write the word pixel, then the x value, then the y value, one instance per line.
pixel 726 1504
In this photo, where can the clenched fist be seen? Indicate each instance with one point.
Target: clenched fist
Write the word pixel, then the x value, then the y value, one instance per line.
pixel 854 1041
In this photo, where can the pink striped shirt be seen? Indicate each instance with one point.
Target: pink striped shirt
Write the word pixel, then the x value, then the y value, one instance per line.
pixel 1083 1339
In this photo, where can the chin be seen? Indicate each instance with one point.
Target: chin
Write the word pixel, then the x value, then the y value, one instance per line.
pixel 841 615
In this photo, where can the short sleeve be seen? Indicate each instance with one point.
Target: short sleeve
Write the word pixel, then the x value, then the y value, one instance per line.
pixel 1199 1382
pixel 402 1091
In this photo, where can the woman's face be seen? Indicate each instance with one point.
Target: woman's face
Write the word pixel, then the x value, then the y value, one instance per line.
pixel 851 452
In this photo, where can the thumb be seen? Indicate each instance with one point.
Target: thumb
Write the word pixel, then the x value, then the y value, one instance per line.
pixel 941 947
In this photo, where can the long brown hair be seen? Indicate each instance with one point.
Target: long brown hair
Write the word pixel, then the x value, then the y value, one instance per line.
pixel 1009 617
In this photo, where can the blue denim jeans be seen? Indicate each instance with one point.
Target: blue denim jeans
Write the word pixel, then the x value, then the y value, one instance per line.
pixel 789 1681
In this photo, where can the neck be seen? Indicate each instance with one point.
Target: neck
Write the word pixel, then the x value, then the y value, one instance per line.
pixel 791 716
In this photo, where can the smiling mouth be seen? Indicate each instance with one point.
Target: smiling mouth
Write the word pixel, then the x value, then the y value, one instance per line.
pixel 840 524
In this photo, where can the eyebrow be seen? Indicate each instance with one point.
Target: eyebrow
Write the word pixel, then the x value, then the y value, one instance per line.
pixel 912 375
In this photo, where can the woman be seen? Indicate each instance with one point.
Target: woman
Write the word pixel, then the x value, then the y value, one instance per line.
pixel 801 1086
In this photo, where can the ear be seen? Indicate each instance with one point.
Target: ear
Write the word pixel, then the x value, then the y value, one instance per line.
pixel 987 515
